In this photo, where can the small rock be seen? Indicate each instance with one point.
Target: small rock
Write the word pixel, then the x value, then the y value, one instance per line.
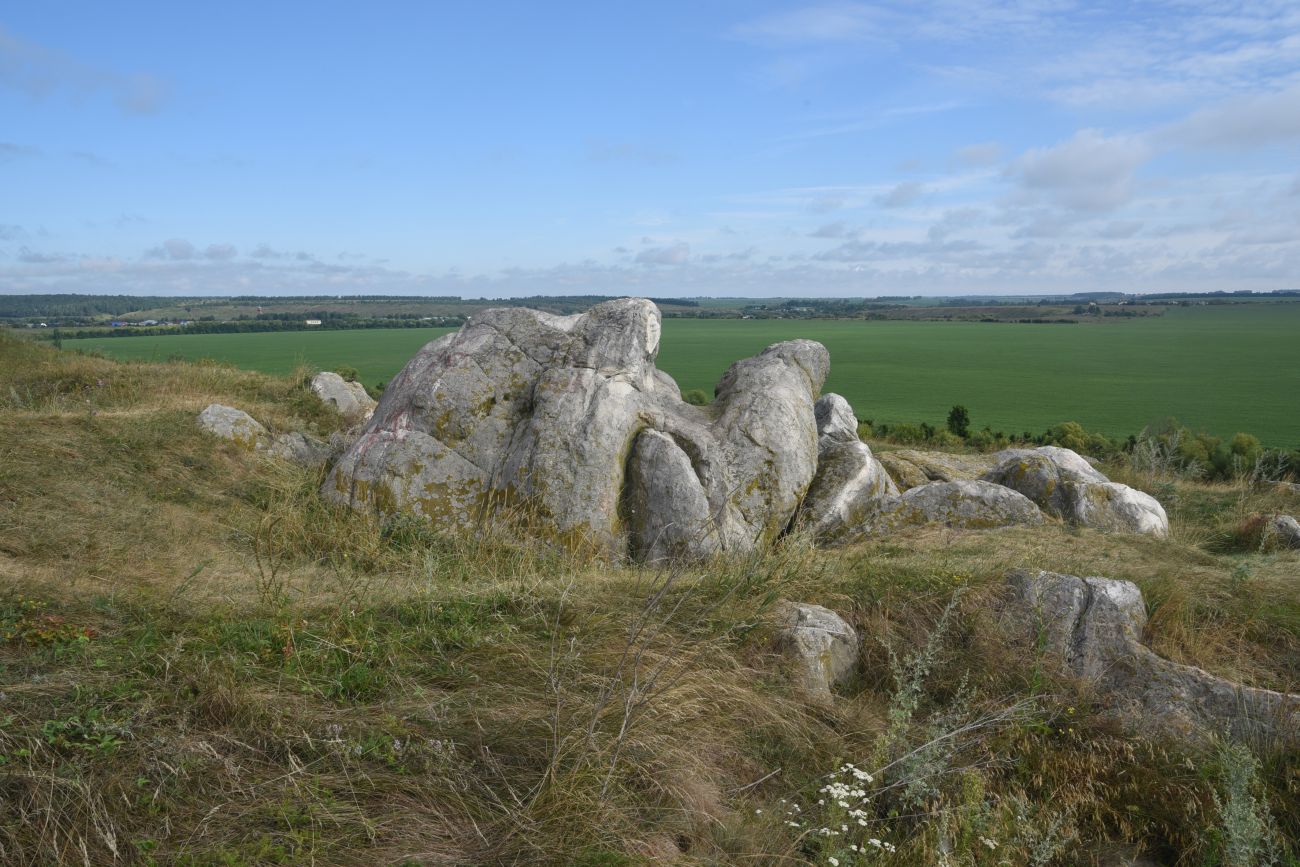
pixel 348 398
pixel 823 646
pixel 1282 531
pixel 300 449
pixel 235 425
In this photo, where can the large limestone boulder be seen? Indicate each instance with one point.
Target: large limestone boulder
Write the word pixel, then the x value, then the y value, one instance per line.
pixel 850 484
pixel 1282 531
pixel 822 646
pixel 968 505
pixel 912 468
pixel 1066 486
pixel 348 398
pixel 1093 628
pixel 568 417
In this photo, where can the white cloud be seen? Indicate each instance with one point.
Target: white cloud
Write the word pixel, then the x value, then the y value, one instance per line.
pixel 175 249
pixel 982 154
pixel 900 196
pixel 676 254
pixel 833 22
pixel 1242 122
pixel 219 252
pixel 837 229
pixel 1089 172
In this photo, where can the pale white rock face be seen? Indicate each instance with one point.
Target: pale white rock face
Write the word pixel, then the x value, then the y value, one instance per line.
pixel 667 509
pixel 1093 629
pixel 969 505
pixel 234 424
pixel 348 398
pixel 1066 486
pixel 559 414
pixel 1119 508
pixel 822 646
pixel 1282 531
pixel 850 484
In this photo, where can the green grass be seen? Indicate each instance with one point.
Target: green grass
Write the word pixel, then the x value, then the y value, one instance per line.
pixel 1222 369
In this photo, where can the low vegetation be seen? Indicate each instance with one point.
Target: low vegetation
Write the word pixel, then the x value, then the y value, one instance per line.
pixel 201 663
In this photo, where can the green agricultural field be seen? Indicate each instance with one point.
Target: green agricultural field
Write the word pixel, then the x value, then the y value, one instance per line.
pixel 1219 368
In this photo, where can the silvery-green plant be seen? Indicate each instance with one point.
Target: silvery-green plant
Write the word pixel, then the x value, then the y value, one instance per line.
pixel 1244 818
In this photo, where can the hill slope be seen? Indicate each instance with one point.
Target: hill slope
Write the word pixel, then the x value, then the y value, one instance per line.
pixel 203 664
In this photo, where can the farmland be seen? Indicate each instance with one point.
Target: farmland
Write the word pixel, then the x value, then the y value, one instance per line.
pixel 1221 368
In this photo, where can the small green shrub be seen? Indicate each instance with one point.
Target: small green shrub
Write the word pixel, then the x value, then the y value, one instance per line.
pixel 959 421
pixel 696 397
pixel 348 373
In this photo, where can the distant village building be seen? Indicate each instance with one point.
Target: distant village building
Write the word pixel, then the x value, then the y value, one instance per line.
pixel 313 322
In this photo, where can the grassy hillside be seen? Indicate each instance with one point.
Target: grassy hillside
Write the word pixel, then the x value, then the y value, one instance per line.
pixel 200 663
pixel 1221 369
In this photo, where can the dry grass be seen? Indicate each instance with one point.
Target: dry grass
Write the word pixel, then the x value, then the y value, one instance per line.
pixel 204 664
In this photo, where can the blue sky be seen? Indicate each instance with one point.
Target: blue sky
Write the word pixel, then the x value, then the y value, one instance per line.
pixel 713 147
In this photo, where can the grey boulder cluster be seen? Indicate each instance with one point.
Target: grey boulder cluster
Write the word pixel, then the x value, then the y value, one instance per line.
pixel 570 418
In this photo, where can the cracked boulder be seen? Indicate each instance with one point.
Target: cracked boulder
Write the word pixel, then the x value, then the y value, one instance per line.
pixel 1092 629
pixel 1066 486
pixel 822 646
pixel 850 484
pixel 569 418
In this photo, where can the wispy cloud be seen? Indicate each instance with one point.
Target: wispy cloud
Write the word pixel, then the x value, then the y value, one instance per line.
pixel 40 72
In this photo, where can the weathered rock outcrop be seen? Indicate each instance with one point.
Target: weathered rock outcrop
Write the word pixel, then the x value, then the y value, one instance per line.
pixel 569 416
pixel 241 428
pixel 911 468
pixel 850 484
pixel 1066 486
pixel 1282 531
pixel 348 398
pixel 1093 628
pixel 822 645
pixel 967 505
